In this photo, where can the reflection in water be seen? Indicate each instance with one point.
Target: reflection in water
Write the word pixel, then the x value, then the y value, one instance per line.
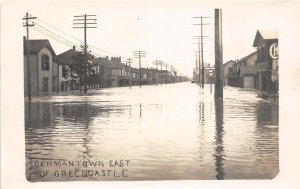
pixel 184 135
pixel 267 113
pixel 201 115
pixel 219 139
pixel 140 110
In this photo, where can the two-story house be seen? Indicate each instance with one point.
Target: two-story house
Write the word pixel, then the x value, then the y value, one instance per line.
pixel 266 42
pixel 43 71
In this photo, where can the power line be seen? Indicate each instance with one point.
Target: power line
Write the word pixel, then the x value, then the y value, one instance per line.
pixel 60 30
pixel 89 45
pixel 58 36
pixel 54 38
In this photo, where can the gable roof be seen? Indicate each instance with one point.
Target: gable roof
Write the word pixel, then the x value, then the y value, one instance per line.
pixel 105 62
pixel 118 65
pixel 264 34
pixel 230 61
pixel 36 45
pixel 247 57
pixel 66 57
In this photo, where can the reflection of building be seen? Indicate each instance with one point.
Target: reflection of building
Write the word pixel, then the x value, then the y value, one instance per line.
pixel 267 113
pixel 266 43
pixel 43 69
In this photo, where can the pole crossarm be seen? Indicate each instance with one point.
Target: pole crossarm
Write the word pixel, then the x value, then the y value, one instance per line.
pixel 139 54
pixel 85 15
pixel 84 25
pixel 200 48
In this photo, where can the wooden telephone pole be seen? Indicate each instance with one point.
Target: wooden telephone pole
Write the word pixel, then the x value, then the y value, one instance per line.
pixel 129 62
pixel 156 63
pixel 218 54
pixel 201 51
pixel 84 22
pixel 27 24
pixel 139 55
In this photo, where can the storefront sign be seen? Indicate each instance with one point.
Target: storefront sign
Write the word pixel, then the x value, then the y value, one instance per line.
pixel 274 51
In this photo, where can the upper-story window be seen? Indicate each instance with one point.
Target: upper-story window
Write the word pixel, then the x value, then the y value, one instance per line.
pixel 45 62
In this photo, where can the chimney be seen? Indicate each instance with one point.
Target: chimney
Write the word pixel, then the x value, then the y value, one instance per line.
pixel 74 48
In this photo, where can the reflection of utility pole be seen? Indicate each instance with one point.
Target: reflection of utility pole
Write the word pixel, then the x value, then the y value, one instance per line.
pixel 129 62
pixel 26 24
pixel 201 38
pixel 219 149
pixel 218 54
pixel 84 22
pixel 139 55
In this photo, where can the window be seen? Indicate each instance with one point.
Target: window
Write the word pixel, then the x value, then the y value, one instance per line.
pixel 45 62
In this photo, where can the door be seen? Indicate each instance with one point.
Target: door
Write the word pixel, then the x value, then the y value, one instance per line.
pixel 45 84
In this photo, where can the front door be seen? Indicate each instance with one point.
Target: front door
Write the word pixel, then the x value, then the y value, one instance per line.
pixel 45 84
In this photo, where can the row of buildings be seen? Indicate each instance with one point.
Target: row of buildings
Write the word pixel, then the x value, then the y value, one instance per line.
pixel 259 69
pixel 48 71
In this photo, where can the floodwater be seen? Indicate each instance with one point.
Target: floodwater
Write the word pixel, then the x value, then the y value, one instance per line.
pixel 168 132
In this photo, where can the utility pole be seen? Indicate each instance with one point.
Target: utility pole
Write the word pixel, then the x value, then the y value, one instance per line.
pixel 201 38
pixel 218 54
pixel 84 22
pixel 161 63
pixel 197 68
pixel 27 24
pixel 199 52
pixel 129 62
pixel 166 73
pixel 172 68
pixel 156 63
pixel 139 54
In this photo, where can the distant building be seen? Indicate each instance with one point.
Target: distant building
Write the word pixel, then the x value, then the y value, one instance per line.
pixel 266 42
pixel 123 77
pixel 243 72
pixel 64 60
pixel 226 68
pixel 209 75
pixel 108 71
pixel 43 69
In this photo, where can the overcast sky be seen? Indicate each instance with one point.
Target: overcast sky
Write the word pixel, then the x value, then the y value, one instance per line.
pixel 164 30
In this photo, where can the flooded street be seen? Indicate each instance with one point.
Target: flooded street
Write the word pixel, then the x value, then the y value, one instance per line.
pixel 175 131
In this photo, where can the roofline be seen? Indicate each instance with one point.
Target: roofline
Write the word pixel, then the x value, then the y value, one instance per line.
pixel 245 57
